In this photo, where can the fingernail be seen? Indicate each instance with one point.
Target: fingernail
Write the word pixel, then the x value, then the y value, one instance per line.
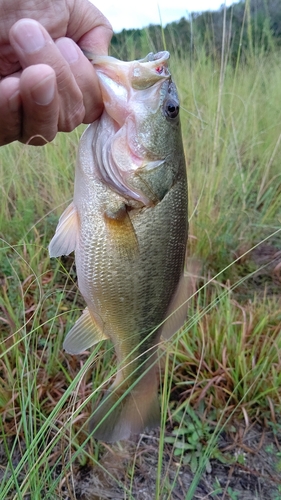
pixel 68 50
pixel 28 35
pixel 44 92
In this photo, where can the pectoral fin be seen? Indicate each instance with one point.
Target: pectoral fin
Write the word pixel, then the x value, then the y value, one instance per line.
pixel 64 240
pixel 83 335
pixel 121 231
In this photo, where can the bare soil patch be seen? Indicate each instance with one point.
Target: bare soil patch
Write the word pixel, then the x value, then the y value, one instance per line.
pixel 252 470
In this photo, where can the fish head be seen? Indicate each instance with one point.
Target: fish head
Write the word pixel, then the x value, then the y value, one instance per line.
pixel 139 132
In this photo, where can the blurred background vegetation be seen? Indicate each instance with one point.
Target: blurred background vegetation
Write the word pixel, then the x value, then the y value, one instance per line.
pixel 247 28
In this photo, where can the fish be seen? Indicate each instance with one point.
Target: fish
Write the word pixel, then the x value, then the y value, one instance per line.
pixel 128 227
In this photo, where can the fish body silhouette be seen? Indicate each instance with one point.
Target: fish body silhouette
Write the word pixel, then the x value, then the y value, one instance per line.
pixel 128 227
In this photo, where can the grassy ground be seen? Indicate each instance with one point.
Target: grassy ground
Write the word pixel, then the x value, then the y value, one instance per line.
pixel 222 372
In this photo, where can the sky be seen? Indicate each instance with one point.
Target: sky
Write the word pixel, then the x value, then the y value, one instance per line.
pixel 129 14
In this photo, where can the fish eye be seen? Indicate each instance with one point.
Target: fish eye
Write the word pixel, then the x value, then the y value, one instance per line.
pixel 171 109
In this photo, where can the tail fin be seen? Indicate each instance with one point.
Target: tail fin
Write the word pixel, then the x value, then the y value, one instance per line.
pixel 119 415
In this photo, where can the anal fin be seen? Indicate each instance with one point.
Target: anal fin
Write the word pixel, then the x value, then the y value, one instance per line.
pixel 83 335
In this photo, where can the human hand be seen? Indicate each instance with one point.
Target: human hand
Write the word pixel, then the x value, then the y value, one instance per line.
pixel 47 84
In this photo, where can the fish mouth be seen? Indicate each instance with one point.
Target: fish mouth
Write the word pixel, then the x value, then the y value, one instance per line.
pixel 120 81
pixel 129 89
pixel 139 74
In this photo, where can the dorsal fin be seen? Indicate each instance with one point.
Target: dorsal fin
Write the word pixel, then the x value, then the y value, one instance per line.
pixel 177 311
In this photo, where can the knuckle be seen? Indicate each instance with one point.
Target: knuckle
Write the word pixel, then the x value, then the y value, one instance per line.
pixel 72 119
pixel 109 28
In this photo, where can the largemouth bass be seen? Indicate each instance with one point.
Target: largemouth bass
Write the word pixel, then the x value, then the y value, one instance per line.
pixel 128 227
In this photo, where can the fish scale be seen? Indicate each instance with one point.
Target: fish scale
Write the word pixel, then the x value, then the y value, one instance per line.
pixel 128 227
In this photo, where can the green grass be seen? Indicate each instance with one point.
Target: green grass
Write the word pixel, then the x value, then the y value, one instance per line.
pixel 228 355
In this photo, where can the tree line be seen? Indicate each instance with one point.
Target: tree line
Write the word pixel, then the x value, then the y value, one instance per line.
pixel 244 29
